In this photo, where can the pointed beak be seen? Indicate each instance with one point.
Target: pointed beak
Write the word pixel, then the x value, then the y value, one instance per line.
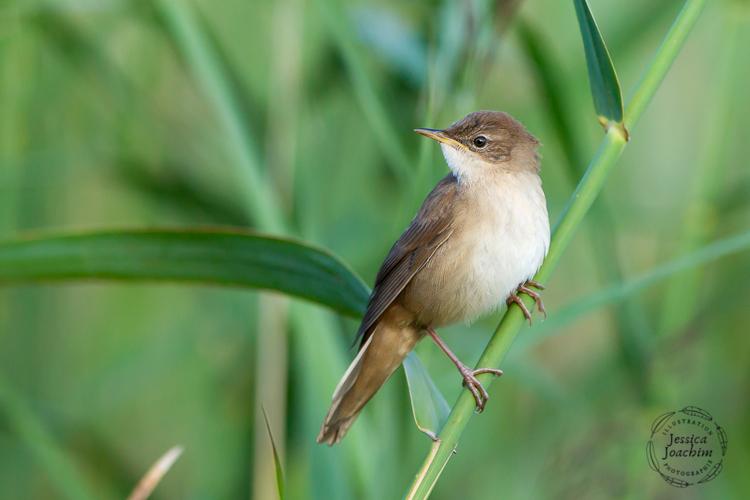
pixel 440 136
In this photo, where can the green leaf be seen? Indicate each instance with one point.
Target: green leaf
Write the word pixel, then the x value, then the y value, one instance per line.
pixel 605 88
pixel 428 405
pixel 276 460
pixel 217 256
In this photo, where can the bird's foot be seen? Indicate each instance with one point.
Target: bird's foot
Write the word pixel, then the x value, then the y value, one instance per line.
pixel 526 288
pixel 475 386
pixel 470 376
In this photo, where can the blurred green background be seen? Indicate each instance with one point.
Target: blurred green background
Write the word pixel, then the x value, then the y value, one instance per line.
pixel 295 117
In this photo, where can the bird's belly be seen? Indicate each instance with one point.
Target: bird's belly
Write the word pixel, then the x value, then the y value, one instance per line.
pixel 477 269
pixel 495 268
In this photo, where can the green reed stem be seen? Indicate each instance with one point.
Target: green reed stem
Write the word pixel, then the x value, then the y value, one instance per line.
pixel 579 204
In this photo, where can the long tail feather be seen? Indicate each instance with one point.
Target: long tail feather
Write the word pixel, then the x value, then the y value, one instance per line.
pixel 379 357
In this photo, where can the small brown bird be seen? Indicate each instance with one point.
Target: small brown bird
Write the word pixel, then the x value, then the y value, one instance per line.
pixel 478 239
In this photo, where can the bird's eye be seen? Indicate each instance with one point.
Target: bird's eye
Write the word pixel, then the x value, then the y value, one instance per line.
pixel 480 141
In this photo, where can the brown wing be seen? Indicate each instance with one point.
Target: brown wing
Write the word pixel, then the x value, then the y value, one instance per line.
pixel 430 228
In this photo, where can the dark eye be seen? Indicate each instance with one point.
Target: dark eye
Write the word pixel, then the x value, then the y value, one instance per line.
pixel 480 141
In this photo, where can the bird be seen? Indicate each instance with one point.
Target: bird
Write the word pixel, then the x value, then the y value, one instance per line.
pixel 477 241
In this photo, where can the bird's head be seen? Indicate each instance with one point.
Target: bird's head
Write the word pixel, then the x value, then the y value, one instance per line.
pixel 485 142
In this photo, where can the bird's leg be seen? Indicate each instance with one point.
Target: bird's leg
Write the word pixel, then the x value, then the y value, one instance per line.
pixel 470 376
pixel 525 288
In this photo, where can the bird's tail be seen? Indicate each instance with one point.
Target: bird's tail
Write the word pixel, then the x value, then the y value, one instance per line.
pixel 388 345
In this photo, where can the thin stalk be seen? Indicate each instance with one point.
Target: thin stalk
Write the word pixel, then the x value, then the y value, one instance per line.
pixel 579 204
pixel 630 324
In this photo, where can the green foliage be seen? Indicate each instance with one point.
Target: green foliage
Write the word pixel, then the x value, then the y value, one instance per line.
pixel 588 189
pixel 605 88
pixel 276 461
pixel 217 257
pixel 621 291
pixel 42 444
pixel 294 118
pixel 428 404
pixel 194 41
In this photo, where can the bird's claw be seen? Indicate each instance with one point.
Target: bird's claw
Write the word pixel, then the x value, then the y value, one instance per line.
pixel 534 284
pixel 475 386
pixel 525 288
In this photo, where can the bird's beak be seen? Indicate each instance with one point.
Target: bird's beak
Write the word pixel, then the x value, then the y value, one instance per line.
pixel 439 136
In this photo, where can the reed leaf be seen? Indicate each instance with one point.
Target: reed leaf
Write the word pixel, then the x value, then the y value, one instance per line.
pixel 276 461
pixel 605 87
pixel 211 256
pixel 429 406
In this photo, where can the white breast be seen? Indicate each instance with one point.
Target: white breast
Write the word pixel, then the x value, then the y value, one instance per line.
pixel 509 242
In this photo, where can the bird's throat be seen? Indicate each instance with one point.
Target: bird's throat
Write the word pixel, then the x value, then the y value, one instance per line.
pixel 465 165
